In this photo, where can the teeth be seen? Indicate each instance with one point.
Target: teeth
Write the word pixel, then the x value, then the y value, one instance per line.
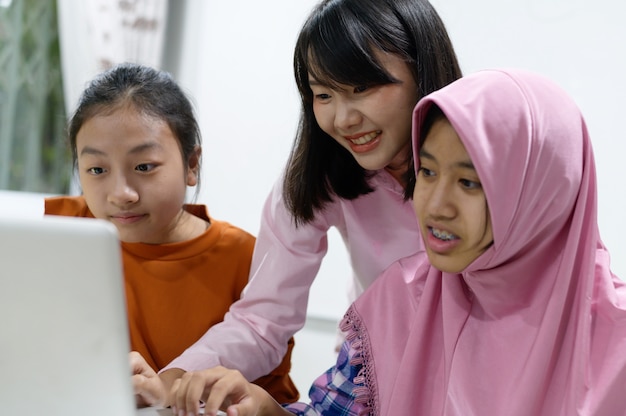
pixel 366 138
pixel 443 235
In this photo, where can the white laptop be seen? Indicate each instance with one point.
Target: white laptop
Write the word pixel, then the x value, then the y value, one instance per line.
pixel 63 330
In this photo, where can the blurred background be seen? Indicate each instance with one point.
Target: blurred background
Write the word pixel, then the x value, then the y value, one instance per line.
pixel 234 58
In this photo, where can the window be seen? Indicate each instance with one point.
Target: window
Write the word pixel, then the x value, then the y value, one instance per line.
pixel 34 155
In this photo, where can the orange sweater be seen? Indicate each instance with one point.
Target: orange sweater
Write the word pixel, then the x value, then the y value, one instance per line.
pixel 176 292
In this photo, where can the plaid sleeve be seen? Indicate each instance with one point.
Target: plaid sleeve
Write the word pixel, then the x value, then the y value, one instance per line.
pixel 333 392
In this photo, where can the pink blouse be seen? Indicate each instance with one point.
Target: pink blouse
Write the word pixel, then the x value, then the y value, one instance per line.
pixel 378 229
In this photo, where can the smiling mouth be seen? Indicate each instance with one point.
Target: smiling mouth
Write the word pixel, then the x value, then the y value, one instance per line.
pixel 366 138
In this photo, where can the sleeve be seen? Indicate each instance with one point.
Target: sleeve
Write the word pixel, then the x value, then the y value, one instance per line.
pixel 254 334
pixel 334 391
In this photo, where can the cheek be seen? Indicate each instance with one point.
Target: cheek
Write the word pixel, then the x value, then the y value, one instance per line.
pixel 488 230
pixel 482 225
pixel 87 186
pixel 323 117
pixel 418 202
pixel 399 106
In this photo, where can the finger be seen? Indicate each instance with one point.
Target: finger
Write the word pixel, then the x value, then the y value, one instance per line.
pixel 221 393
pixel 230 388
pixel 243 408
pixel 148 391
pixel 172 395
pixel 250 404
pixel 246 407
pixel 189 391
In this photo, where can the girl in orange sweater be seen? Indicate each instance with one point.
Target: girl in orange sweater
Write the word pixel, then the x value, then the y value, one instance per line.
pixel 136 147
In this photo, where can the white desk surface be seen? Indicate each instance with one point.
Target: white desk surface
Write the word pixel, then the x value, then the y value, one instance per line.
pixel 157 411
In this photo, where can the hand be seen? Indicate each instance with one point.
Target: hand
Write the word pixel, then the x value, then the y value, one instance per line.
pixel 221 388
pixel 148 387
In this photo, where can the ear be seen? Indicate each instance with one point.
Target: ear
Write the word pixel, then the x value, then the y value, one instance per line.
pixel 193 166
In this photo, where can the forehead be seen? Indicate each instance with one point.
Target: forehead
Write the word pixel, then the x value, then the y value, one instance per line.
pixel 443 143
pixel 125 127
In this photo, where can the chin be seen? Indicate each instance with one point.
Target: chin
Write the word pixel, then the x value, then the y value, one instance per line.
pixel 451 270
pixel 444 264
pixel 126 237
pixel 370 162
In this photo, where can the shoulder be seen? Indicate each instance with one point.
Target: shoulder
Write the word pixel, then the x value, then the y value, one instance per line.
pixel 389 303
pixel 226 231
pixel 70 206
pixel 231 232
pixel 403 279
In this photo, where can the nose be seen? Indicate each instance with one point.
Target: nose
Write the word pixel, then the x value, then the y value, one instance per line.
pixel 122 193
pixel 346 115
pixel 440 201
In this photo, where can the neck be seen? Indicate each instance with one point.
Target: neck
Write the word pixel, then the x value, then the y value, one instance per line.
pixel 400 164
pixel 397 173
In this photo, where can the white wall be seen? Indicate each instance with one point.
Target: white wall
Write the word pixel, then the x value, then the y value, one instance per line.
pixel 241 78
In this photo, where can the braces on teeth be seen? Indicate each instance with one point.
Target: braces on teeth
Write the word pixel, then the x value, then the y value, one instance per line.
pixel 442 235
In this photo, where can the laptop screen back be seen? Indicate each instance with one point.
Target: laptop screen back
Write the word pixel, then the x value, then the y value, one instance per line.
pixel 64 338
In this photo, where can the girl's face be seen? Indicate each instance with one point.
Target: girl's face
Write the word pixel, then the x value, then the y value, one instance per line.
pixel 449 201
pixel 132 174
pixel 372 122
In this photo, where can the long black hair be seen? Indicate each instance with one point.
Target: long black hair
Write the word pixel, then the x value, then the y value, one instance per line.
pixel 337 45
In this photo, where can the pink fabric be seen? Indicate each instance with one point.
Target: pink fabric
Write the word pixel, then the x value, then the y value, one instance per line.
pixel 377 228
pixel 537 324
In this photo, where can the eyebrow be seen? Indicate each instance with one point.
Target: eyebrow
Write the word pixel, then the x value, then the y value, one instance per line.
pixel 466 164
pixel 87 150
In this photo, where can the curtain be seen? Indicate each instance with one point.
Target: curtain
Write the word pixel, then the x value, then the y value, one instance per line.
pixel 96 34
pixel 33 156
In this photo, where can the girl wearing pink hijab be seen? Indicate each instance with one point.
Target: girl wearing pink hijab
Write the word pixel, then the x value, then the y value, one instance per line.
pixel 513 309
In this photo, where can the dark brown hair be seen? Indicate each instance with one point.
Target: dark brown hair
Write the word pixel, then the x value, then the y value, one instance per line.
pixel 337 44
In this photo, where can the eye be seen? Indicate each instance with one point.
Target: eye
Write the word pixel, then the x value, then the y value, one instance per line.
pixel 427 173
pixel 322 97
pixel 469 184
pixel 361 88
pixel 95 171
pixel 145 167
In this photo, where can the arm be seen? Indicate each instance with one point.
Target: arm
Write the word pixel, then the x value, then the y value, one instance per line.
pixel 220 388
pixel 254 334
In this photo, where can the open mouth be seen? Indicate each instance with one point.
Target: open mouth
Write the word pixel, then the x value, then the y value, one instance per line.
pixel 442 235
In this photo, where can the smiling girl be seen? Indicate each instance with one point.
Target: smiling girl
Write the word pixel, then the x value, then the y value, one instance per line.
pixel 360 67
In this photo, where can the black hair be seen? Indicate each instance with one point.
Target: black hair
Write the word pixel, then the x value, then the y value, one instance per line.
pixel 337 45
pixel 149 91
pixel 433 113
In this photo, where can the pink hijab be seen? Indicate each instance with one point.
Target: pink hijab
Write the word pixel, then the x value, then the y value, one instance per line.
pixel 537 324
